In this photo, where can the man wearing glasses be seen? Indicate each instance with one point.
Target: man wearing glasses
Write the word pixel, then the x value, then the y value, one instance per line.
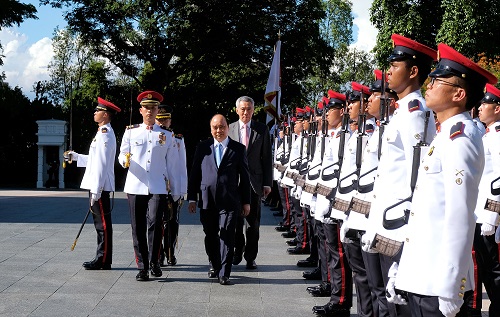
pixel 436 264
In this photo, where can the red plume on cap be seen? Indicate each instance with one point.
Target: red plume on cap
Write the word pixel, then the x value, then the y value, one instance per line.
pixel 378 74
pixel 325 100
pixel 412 45
pixel 493 90
pixel 106 105
pixel 320 105
pixel 361 88
pixel 308 109
pixel 336 95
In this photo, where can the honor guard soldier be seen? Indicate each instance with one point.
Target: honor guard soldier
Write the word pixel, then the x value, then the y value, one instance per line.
pixel 148 151
pixel 488 208
pixel 436 264
pixel 335 268
pixel 99 179
pixel 410 62
pixel 174 199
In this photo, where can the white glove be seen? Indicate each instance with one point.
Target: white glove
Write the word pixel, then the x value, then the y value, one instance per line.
pixel 343 230
pixel 390 293
pixel 94 198
pixel 449 307
pixel 487 229
pixel 298 192
pixel 366 242
pixel 74 155
pixel 497 235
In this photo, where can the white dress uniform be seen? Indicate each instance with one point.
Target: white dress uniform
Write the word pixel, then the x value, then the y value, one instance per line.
pixel 151 151
pixel 436 258
pixel 491 143
pixel 178 170
pixel 314 168
pixel 100 162
pixel 294 158
pixel 392 183
pixel 330 157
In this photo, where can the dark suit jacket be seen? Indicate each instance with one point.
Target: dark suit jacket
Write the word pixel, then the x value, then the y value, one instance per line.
pixel 259 154
pixel 223 188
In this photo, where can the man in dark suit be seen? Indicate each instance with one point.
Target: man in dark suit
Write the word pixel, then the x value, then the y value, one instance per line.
pixel 255 136
pixel 220 174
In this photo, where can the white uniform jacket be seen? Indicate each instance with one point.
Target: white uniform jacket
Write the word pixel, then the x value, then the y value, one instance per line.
pixel 392 183
pixel 314 169
pixel 437 252
pixel 151 151
pixel 100 162
pixel 330 157
pixel 295 155
pixel 178 170
pixel 491 143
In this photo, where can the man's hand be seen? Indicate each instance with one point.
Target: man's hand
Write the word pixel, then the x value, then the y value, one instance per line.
pixel 266 190
pixel 343 230
pixel 449 307
pixel 192 207
pixel 246 210
pixel 74 155
pixel 94 198
pixel 487 229
pixel 390 293
pixel 366 241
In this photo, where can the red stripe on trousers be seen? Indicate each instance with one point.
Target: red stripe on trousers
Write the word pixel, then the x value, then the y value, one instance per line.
pixel 342 266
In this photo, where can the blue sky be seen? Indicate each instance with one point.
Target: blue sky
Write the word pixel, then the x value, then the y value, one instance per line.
pixel 28 48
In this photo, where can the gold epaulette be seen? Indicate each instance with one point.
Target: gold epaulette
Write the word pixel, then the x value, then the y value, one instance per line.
pixel 133 126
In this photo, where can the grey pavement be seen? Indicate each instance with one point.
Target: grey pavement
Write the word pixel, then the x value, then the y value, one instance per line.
pixel 41 276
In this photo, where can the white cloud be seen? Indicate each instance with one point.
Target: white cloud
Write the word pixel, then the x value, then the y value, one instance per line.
pixel 367 33
pixel 24 64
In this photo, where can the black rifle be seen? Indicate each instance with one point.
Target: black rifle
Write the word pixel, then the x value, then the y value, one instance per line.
pixel 324 131
pixel 296 163
pixel 343 132
pixel 495 191
pixel 391 224
pixel 311 146
pixel 359 150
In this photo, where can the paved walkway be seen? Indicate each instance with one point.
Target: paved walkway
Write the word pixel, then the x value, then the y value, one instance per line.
pixel 41 276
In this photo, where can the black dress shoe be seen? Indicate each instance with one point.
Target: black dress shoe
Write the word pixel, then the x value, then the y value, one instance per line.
pixel 156 270
pixel 172 260
pixel 224 280
pixel 292 242
pixel 289 234
pixel 312 275
pixel 331 309
pixel 307 263
pixel 237 259
pixel 143 275
pixel 322 290
pixel 278 213
pixel 212 273
pixel 96 264
pixel 251 265
pixel 298 250
pixel 282 228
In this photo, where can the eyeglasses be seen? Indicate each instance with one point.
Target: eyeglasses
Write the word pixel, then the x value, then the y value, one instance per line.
pixel 434 79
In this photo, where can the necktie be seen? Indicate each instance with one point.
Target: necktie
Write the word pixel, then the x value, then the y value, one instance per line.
pixel 244 135
pixel 218 154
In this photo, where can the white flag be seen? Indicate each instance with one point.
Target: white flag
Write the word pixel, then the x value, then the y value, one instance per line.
pixel 273 88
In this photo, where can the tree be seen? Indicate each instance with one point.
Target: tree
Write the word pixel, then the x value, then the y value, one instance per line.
pixel 14 13
pixel 419 20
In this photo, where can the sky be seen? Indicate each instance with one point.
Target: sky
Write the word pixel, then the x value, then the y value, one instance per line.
pixel 28 48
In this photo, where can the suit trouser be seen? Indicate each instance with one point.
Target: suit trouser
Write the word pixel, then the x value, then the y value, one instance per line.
pixel 313 241
pixel 340 271
pixel 385 265
pixel 251 246
pixel 146 220
pixel 170 227
pixel 219 228
pixel 376 282
pixel 323 254
pixel 301 225
pixel 423 306
pixel 488 267
pixel 101 213
pixel 363 291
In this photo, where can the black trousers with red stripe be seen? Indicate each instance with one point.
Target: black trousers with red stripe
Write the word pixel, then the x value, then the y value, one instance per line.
pixel 101 213
pixel 340 271
pixel 284 193
pixel 301 224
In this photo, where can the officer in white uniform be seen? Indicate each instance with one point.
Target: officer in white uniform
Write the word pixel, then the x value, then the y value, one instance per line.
pixel 147 150
pixel 178 173
pixel 99 179
pixel 487 208
pixel 436 264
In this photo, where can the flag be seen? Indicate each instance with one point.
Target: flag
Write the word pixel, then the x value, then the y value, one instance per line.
pixel 273 88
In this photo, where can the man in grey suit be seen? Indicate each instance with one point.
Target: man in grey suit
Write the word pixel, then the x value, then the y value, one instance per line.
pixel 255 136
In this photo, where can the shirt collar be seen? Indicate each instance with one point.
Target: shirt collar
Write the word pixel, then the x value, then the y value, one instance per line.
pixel 224 142
pixel 241 123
